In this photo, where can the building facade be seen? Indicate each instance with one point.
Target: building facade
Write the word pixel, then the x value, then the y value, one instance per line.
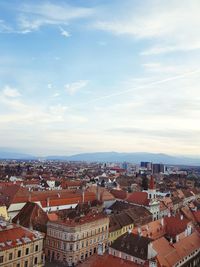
pixel 20 247
pixel 72 241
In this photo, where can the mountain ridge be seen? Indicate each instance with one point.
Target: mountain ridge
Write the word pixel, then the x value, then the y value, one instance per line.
pixel 132 157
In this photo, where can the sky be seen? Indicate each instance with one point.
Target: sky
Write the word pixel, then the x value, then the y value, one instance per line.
pixel 96 75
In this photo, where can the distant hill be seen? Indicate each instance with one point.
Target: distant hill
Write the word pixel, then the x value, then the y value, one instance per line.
pixel 136 157
pixel 15 155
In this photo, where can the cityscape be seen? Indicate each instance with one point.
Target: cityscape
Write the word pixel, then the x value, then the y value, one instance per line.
pixel 99 133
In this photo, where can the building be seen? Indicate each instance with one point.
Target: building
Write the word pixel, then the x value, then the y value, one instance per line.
pixel 158 168
pixel 20 247
pixel 184 252
pixel 134 248
pixel 119 224
pixel 73 240
pixel 146 164
pixel 147 199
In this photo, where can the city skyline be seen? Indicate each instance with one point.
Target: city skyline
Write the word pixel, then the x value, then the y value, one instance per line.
pixel 85 76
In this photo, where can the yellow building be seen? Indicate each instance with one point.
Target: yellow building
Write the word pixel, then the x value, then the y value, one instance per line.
pixel 119 224
pixel 3 212
pixel 20 247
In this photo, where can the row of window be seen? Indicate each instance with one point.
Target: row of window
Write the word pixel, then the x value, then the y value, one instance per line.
pixel 119 232
pixel 67 236
pixel 76 246
pixel 19 254
pixel 26 263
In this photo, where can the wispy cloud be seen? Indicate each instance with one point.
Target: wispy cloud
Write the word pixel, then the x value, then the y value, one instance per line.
pixel 10 92
pixel 64 32
pixel 146 85
pixel 34 16
pixel 74 87
pixel 169 25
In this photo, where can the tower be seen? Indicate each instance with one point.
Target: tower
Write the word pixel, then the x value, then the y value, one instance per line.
pixel 151 191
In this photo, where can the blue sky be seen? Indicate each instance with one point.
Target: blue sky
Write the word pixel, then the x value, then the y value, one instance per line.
pixel 93 75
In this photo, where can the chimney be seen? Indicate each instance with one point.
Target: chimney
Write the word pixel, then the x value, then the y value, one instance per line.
pixel 169 214
pixel 177 238
pixel 98 193
pixel 48 202
pixel 162 222
pixel 139 231
pixel 181 217
pixel 83 196
pixel 29 196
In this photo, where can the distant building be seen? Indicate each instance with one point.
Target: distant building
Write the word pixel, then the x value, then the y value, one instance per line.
pixel 73 240
pixel 158 168
pixel 146 164
pixel 20 246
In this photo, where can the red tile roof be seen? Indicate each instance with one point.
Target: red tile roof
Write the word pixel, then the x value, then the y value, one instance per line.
pixel 107 260
pixel 196 215
pixel 13 235
pixel 119 194
pixel 140 198
pixel 82 220
pixel 174 225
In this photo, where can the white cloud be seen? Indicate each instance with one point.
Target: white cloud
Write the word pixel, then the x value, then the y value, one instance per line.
pixel 49 86
pixel 169 25
pixel 4 27
pixel 64 32
pixel 74 87
pixel 34 16
pixel 56 94
pixel 10 92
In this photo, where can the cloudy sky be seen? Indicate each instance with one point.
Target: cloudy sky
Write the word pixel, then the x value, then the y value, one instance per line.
pixel 98 75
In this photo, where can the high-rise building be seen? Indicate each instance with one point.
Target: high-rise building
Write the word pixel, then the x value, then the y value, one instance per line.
pixel 158 168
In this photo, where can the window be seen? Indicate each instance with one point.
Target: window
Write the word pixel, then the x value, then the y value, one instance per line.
pixel 36 248
pixel 26 264
pixel 70 247
pixel 1 259
pixel 19 253
pixel 18 264
pixel 10 256
pixel 27 251
pixel 35 260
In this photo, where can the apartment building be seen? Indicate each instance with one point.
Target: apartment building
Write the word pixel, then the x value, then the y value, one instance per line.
pixel 20 247
pixel 73 240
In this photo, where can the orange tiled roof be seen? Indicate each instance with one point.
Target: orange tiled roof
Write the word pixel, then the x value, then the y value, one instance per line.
pixel 196 215
pixel 153 230
pixel 140 198
pixel 14 235
pixel 174 225
pixel 166 254
pixel 107 260
pixel 119 194
pixel 82 220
